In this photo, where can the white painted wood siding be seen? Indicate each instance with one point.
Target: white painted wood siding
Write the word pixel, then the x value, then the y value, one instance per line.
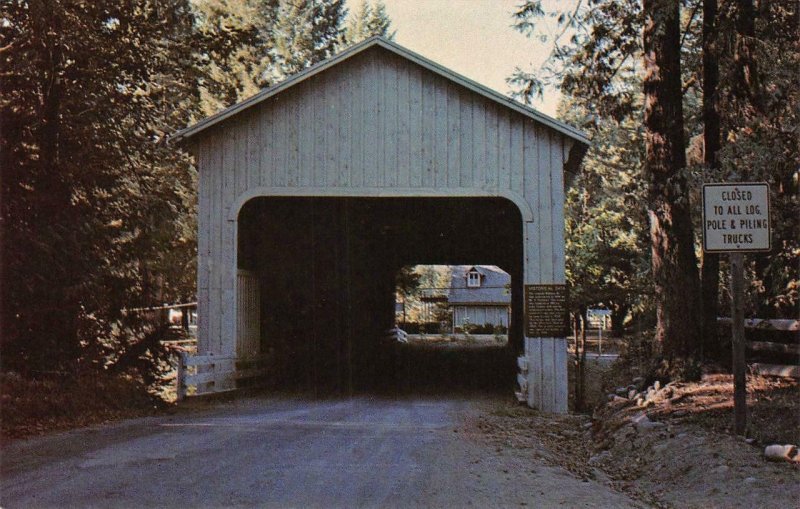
pixel 248 315
pixel 481 315
pixel 376 125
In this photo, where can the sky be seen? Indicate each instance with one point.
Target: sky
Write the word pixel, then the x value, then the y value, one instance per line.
pixel 471 37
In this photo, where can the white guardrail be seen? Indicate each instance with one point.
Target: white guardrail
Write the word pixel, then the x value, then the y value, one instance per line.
pixel 207 374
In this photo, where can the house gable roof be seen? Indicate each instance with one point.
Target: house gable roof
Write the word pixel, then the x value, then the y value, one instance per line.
pixel 392 47
pixel 493 290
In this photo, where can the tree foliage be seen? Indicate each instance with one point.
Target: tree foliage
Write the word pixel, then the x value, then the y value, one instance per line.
pixel 597 60
pixel 367 21
pixel 605 219
pixel 247 45
pixel 98 210
pixel 95 205
pixel 306 32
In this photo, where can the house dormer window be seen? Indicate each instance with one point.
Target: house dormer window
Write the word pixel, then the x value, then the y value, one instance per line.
pixel 473 279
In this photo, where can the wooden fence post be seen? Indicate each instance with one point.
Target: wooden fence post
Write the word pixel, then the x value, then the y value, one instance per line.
pixel 737 344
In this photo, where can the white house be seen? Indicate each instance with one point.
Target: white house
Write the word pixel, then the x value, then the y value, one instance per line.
pixel 479 295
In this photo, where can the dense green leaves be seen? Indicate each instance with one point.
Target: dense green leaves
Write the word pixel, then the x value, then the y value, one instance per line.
pixel 367 21
pixel 607 262
pixel 94 203
pixel 596 59
pixel 98 210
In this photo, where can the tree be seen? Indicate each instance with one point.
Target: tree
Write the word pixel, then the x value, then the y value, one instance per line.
pixel 232 41
pixel 305 32
pixel 674 265
pixel 711 146
pixel 368 21
pixel 760 104
pixel 604 227
pixel 407 281
pixel 94 202
pixel 244 46
pixel 97 208
pixel 605 222
pixel 597 59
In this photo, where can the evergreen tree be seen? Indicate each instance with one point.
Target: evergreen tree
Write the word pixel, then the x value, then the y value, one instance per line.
pixel 246 45
pixel 674 264
pixel 368 21
pixel 305 32
pixel 232 42
pixel 600 44
pixel 709 269
pixel 606 224
pixel 94 202
pixel 97 209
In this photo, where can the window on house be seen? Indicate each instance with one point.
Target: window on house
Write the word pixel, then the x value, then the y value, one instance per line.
pixel 473 279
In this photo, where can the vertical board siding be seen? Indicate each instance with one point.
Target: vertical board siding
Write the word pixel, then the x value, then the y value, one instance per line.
pixel 389 124
pixel 429 131
pixel 254 151
pixel 378 121
pixel 345 155
pixel 466 166
pixel 404 105
pixel 479 128
pixel 292 177
pixel 281 144
pixel 454 137
pixel 557 201
pixel 333 122
pixel 442 133
pixel 215 260
pixel 491 141
pixel 318 142
pixel 240 157
pixel 505 150
pixel 370 127
pixel 248 340
pixel 306 138
pixel 544 201
pixel 357 122
pixel 416 137
pixel 203 246
pixel 390 118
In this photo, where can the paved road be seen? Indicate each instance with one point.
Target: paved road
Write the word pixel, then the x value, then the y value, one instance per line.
pixel 259 452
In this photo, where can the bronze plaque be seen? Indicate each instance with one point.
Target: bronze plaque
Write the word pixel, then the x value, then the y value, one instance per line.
pixel 546 314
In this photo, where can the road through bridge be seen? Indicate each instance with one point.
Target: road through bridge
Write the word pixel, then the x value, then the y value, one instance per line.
pixel 268 452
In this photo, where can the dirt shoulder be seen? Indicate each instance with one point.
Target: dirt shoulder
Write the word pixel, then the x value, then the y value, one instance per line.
pixel 33 407
pixel 671 450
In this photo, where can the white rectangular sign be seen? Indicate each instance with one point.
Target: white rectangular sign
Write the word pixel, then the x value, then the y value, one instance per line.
pixel 736 217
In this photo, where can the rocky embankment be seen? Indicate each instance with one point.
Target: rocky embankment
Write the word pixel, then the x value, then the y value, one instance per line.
pixel 663 445
pixel 650 442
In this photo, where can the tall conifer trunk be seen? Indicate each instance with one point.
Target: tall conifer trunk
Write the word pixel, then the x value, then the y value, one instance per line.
pixel 711 143
pixel 676 279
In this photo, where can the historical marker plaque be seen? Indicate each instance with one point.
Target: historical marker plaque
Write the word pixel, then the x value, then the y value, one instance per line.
pixel 546 314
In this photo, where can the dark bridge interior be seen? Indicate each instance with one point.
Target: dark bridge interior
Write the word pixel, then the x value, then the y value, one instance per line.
pixel 327 271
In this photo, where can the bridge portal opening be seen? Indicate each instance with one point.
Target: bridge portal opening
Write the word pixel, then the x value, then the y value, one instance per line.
pixel 326 275
pixel 452 327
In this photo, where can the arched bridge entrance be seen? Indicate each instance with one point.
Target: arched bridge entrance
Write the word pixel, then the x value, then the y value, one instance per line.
pixel 326 270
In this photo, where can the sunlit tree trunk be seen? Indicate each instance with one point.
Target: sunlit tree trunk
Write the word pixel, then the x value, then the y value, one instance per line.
pixel 674 265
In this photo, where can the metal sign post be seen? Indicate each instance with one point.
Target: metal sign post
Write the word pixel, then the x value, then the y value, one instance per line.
pixel 736 220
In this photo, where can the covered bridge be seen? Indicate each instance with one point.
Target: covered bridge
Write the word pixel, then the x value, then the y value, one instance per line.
pixel 316 191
